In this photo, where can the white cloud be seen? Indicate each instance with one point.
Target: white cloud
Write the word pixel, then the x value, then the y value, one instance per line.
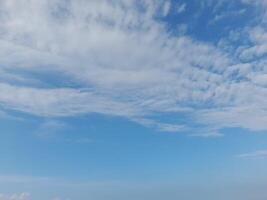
pixel 181 7
pixel 210 132
pixel 258 38
pixel 51 128
pixel 226 14
pixel 122 62
pixel 59 102
pixel 259 2
pixel 261 154
pixel 22 196
pixel 166 8
pixel 260 79
pixel 59 199
pixel 252 118
pixel 164 127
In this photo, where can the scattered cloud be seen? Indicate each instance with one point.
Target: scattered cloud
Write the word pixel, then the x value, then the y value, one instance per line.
pixel 24 179
pixel 166 8
pixel 22 196
pixel 221 16
pixel 262 154
pixel 181 8
pixel 207 133
pixel 121 61
pixel 51 128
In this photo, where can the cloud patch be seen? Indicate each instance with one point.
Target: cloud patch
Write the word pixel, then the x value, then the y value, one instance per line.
pixel 22 196
pixel 262 154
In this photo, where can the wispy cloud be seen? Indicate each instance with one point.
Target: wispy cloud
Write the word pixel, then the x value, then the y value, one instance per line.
pixel 22 196
pixel 261 154
pixel 235 13
pixel 51 128
pixel 181 7
pixel 166 8
pixel 122 61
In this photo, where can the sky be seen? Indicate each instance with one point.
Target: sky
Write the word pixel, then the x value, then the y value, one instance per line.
pixel 133 99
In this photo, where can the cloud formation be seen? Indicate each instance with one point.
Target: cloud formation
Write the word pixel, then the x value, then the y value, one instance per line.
pixel 22 196
pixel 66 58
pixel 262 154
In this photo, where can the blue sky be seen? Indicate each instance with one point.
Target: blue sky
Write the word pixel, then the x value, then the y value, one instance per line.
pixel 133 100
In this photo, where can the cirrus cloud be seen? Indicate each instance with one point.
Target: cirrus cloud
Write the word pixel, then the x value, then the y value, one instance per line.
pixel 117 58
